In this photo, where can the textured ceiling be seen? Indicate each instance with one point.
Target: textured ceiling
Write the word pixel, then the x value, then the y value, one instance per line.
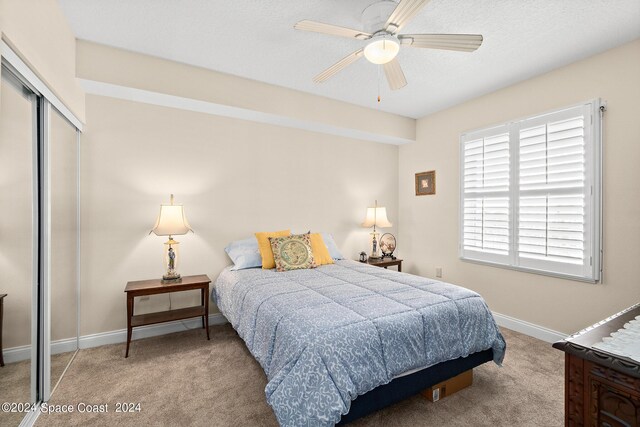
pixel 256 39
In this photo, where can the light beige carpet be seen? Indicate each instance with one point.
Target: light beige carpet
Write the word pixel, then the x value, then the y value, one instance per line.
pixel 183 379
pixel 15 384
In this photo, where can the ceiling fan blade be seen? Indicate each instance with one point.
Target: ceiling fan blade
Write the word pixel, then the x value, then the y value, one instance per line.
pixel 461 42
pixel 403 13
pixel 333 30
pixel 394 74
pixel 338 66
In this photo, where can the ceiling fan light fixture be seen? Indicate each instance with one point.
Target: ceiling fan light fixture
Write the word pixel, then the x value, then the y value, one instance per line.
pixel 382 49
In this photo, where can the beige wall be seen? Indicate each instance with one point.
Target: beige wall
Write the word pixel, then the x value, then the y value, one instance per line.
pixel 234 178
pixel 116 66
pixel 39 33
pixel 429 224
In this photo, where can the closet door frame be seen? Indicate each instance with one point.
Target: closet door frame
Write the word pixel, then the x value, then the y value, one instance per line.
pixel 44 217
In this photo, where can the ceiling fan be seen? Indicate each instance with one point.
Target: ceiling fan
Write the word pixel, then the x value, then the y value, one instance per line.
pixel 382 22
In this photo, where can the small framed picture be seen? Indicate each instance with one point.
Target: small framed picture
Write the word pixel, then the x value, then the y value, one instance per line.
pixel 426 183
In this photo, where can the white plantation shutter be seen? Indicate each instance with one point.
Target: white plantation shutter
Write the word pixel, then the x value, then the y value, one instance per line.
pixel 530 194
pixel 486 225
pixel 552 228
pixel 553 192
pixel 486 176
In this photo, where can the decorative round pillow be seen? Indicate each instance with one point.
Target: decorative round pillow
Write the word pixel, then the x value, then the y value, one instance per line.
pixel 292 252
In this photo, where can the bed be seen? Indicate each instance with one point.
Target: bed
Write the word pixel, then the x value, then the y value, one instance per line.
pixel 341 340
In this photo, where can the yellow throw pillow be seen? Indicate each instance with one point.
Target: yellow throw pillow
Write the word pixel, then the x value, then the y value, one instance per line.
pixel 265 247
pixel 321 254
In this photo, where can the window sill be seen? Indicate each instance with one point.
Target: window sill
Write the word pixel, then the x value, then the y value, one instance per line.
pixel 532 271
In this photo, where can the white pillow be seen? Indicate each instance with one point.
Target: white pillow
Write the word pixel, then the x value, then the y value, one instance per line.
pixel 244 253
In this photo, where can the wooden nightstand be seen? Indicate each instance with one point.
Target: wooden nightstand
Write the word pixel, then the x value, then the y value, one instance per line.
pixel 385 262
pixel 155 286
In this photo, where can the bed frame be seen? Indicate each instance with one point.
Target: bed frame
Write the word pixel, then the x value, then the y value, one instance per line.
pixel 406 386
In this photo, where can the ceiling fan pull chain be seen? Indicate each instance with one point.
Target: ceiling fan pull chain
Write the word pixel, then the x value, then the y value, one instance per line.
pixel 378 81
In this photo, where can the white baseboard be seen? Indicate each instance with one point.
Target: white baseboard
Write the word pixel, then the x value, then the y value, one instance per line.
pixel 119 336
pixel 16 354
pixel 64 346
pixel 535 331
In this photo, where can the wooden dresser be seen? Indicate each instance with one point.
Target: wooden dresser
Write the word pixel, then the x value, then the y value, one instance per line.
pixel 601 389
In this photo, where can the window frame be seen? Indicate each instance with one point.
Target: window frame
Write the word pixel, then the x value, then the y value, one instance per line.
pixel 593 111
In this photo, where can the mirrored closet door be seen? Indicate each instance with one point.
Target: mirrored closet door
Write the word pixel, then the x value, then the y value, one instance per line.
pixel 63 191
pixel 18 250
pixel 39 240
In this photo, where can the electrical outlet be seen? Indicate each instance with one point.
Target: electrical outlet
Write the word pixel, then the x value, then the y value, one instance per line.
pixel 438 271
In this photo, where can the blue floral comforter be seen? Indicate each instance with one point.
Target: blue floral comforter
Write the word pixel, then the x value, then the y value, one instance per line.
pixel 327 335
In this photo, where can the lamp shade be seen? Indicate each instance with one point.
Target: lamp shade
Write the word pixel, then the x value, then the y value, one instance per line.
pixel 171 221
pixel 376 216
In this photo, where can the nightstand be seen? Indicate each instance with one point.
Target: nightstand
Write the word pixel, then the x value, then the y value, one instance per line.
pixel 154 287
pixel 385 262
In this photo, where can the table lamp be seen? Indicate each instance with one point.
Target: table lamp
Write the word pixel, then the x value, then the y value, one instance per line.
pixel 376 217
pixel 171 222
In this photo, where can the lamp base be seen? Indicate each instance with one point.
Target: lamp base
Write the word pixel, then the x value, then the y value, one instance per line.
pixel 174 278
pixel 375 248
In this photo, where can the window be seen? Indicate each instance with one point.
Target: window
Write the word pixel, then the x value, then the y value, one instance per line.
pixel 530 194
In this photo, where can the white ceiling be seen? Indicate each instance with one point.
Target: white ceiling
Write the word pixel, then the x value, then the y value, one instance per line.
pixel 256 39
